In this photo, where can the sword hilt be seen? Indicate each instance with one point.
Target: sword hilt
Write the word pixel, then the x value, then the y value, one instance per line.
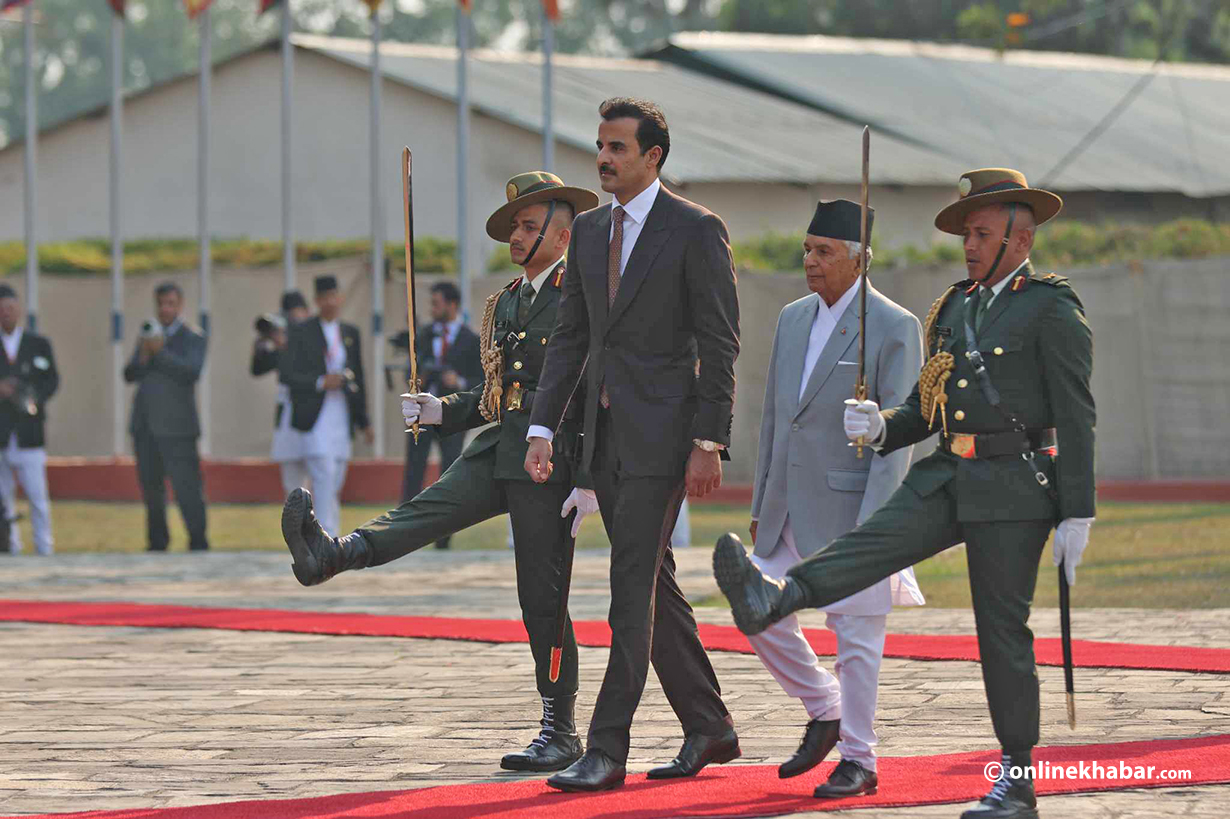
pixel 414 384
pixel 860 395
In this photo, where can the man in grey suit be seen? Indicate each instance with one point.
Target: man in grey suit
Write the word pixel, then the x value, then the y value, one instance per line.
pixel 812 487
pixel 166 366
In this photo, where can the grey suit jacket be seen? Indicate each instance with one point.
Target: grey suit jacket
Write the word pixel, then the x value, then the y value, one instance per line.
pixel 165 403
pixel 805 469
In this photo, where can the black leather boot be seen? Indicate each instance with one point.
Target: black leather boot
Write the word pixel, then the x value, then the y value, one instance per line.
pixel 1011 797
pixel 557 745
pixel 318 556
pixel 756 601
pixel 820 737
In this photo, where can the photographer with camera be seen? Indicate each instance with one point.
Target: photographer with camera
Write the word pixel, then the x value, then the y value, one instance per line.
pixel 323 367
pixel 165 366
pixel 28 378
pixel 267 352
pixel 449 362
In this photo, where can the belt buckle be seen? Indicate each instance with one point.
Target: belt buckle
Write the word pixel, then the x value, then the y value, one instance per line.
pixel 512 400
pixel 962 446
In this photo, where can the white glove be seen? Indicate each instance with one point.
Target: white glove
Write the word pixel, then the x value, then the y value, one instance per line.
pixel 863 420
pixel 1071 538
pixel 423 408
pixel 582 500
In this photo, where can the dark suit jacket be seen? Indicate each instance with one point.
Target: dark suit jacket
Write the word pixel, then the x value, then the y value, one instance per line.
pixel 35 371
pixel 303 363
pixel 165 404
pixel 462 357
pixel 264 360
pixel 677 303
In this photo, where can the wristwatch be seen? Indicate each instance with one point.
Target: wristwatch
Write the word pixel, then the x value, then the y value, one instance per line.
pixel 707 446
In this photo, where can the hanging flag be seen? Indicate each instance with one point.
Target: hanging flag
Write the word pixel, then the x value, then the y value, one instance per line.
pixel 552 9
pixel 268 4
pixel 195 7
pixel 372 5
pixel 117 6
pixel 465 5
pixel 8 4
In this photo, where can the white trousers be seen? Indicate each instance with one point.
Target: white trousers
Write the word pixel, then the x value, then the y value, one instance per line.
pixel 29 468
pixel 850 695
pixel 294 474
pixel 328 475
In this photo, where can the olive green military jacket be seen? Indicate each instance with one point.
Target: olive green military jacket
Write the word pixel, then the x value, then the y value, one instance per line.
pixel 525 348
pixel 1038 351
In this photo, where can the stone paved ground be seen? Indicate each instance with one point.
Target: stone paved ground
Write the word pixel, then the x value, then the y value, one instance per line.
pixel 96 718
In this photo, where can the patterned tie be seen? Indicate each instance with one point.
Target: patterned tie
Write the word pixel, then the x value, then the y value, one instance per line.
pixel 614 256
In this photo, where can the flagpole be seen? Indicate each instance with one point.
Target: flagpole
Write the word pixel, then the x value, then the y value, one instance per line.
pixel 202 205
pixel 377 253
pixel 288 240
pixel 548 112
pixel 31 162
pixel 463 152
pixel 117 245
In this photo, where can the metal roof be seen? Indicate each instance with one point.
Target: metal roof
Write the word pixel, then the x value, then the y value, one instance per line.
pixel 720 132
pixel 984 108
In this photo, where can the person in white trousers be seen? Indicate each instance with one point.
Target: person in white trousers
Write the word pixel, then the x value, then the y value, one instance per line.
pixel 812 487
pixel 323 369
pixel 268 351
pixel 28 378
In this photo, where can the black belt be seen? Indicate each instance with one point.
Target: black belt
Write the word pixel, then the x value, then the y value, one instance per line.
pixel 997 444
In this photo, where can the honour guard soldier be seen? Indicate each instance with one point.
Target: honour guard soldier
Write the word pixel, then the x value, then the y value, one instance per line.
pixel 488 479
pixel 1007 386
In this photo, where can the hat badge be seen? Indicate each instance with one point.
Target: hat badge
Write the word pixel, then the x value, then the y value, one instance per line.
pixel 511 191
pixel 964 186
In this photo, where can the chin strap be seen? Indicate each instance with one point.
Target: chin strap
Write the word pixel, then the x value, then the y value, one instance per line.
pixel 1003 247
pixel 542 234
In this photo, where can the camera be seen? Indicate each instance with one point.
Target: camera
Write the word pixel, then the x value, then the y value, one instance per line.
pixel 269 323
pixel 150 329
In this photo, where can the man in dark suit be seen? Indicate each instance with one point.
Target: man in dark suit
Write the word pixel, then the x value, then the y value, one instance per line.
pixel 323 366
pixel 448 356
pixel 166 365
pixel 649 298
pixel 28 378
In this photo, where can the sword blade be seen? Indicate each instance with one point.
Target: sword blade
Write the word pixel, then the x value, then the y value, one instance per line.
pixel 407 189
pixel 1065 627
pixel 860 387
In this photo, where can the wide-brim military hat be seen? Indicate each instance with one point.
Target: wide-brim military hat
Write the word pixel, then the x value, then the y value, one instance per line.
pixel 531 189
pixel 988 186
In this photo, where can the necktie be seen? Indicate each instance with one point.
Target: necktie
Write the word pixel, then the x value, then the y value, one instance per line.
pixel 524 302
pixel 614 256
pixel 984 302
pixel 443 343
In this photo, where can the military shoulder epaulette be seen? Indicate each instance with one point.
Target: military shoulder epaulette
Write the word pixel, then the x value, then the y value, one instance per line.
pixel 1049 278
pixel 512 285
pixel 557 278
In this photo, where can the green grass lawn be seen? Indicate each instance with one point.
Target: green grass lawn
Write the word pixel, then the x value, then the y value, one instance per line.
pixel 1140 555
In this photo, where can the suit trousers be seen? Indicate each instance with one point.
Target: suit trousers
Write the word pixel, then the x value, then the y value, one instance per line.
pixel 416 461
pixel 27 467
pixel 468 493
pixel 175 457
pixel 850 694
pixel 1003 571
pixel 328 476
pixel 650 619
pixel 294 474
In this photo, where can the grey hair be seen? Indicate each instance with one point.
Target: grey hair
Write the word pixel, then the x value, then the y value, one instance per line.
pixel 854 248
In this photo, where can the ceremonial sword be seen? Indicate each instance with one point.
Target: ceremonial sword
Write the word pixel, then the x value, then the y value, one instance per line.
pixel 411 324
pixel 561 613
pixel 1065 627
pixel 860 386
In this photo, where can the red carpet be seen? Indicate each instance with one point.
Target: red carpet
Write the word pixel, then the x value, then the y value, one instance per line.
pixel 1085 653
pixel 733 791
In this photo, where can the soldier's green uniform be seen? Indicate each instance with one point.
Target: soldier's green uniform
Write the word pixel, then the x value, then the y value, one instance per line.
pixel 994 482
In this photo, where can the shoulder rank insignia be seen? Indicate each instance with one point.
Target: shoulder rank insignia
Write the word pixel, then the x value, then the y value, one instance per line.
pixel 558 279
pixel 1018 284
pixel 512 286
pixel 1049 278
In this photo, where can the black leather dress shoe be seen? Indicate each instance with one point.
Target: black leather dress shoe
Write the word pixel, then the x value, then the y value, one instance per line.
pixel 595 771
pixel 848 779
pixel 819 738
pixel 557 745
pixel 756 601
pixel 698 751
pixel 318 556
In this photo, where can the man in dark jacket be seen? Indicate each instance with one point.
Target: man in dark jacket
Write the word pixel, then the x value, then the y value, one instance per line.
pixel 28 378
pixel 164 426
pixel 267 351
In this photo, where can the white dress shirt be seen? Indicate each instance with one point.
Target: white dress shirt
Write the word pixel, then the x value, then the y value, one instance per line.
pixel 635 214
pixel 12 341
pixel 821 328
